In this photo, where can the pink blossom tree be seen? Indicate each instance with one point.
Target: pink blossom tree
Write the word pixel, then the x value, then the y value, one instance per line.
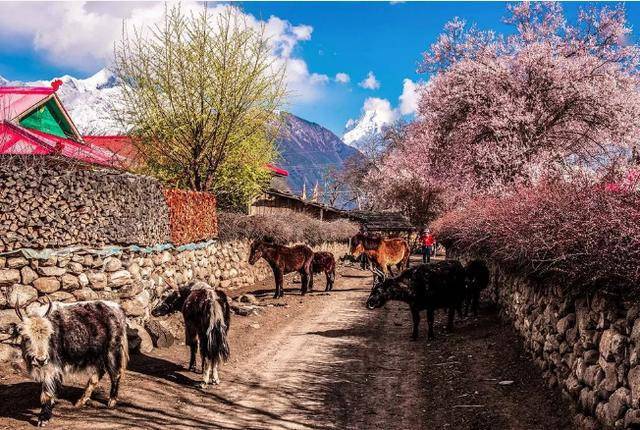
pixel 551 99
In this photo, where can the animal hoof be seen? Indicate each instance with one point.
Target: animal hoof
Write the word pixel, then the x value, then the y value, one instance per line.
pixel 43 423
pixel 80 403
pixel 112 403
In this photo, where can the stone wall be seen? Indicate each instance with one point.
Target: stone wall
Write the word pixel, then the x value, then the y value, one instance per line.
pixel 132 277
pixel 52 202
pixel 588 345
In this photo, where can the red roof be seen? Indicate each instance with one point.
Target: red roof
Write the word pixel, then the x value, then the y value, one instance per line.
pixel 113 151
pixel 15 139
pixel 14 101
pixel 277 170
pixel 120 145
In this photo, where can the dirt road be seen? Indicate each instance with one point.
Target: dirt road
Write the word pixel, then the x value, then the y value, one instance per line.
pixel 320 362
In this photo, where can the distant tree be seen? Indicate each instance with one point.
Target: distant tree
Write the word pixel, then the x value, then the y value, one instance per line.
pixel 551 99
pixel 201 97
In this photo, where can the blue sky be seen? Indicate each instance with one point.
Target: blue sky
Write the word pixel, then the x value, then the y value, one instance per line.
pixel 347 37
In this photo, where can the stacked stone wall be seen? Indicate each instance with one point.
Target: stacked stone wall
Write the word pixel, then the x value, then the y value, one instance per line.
pixel 48 202
pixel 588 344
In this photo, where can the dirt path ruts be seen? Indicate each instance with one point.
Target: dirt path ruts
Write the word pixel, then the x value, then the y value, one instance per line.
pixel 320 362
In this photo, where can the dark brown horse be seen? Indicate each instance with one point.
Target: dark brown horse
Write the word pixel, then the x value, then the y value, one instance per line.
pixel 283 260
pixel 382 253
pixel 325 262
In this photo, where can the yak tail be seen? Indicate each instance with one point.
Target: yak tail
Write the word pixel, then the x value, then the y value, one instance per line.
pixel 217 343
pixel 124 351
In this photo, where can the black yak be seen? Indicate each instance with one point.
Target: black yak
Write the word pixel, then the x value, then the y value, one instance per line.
pixel 283 260
pixel 207 317
pixel 78 336
pixel 476 280
pixel 425 287
pixel 325 262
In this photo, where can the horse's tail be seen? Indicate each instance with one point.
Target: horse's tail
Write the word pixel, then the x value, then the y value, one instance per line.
pixel 217 342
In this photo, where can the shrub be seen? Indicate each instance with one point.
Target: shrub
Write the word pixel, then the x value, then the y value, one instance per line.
pixel 192 216
pixel 580 235
pixel 284 229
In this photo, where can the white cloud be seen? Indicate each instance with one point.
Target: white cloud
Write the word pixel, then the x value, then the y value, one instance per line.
pixel 409 97
pixel 342 78
pixel 81 35
pixel 370 82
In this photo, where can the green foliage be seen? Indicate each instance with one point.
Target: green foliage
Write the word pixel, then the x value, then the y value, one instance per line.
pixel 200 95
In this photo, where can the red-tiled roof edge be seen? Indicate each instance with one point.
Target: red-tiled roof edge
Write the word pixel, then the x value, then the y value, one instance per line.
pixel 277 170
pixel 26 90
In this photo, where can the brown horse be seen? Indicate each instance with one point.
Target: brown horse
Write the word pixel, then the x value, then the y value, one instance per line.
pixel 283 260
pixel 383 253
pixel 325 262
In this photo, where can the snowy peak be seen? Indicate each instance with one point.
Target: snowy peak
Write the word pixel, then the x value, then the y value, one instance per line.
pixel 89 101
pixel 377 114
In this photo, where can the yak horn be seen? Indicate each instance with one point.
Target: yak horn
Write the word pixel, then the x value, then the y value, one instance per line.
pixel 17 308
pixel 48 308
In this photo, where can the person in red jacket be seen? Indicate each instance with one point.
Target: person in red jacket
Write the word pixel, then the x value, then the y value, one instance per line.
pixel 428 241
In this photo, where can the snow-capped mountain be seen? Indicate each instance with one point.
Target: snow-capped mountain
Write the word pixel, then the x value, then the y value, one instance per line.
pixel 89 101
pixel 366 132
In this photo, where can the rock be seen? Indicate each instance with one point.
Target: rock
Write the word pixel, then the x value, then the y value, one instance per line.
pixel 635 332
pixel 75 267
pixel 612 345
pixel 7 317
pixel 9 277
pixel 62 296
pixel 17 262
pixel 70 282
pixel 610 381
pixel 566 323
pixel 632 418
pixel 119 279
pixel 139 339
pixel 254 325
pixel 634 384
pixel 84 294
pixel 20 294
pixel 50 271
pixel 593 375
pixel 572 385
pixel 588 400
pixel 9 353
pixel 591 356
pixel 160 335
pixel 134 269
pixel 137 306
pixel 83 280
pixel 617 405
pixel 97 281
pixel 112 264
pixel 28 275
pixel 46 284
pixel 248 298
pixel 131 290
